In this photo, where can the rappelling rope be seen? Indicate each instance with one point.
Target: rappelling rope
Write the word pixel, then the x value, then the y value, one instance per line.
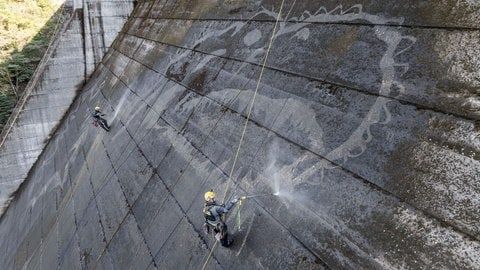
pixel 248 119
pixel 253 100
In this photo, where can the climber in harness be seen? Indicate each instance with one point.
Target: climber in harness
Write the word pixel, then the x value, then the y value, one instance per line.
pixel 99 120
pixel 214 218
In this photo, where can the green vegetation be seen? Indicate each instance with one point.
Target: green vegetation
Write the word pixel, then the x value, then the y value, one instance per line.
pixel 26 28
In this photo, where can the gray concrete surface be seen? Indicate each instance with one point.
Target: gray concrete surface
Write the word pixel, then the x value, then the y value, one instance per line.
pixel 365 123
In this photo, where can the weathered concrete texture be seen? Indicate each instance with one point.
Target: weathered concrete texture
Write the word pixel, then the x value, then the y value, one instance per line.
pixel 103 20
pixel 365 122
pixel 55 85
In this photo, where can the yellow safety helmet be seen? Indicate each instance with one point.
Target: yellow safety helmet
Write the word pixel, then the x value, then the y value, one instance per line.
pixel 209 195
pixel 97 108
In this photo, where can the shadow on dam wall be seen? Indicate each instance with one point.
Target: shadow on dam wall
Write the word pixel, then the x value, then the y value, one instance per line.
pixel 364 123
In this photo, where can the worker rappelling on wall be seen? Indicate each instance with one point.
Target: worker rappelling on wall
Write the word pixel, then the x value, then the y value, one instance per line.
pixel 99 120
pixel 215 217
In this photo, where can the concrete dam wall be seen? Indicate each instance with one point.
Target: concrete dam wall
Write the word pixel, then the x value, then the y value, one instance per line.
pixel 362 117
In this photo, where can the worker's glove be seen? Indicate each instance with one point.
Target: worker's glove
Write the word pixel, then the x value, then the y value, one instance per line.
pixel 235 199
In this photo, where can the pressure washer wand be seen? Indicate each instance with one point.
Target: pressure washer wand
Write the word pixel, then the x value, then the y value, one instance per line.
pixel 257 195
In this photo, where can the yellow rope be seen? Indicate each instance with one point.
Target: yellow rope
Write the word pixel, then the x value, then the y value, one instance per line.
pixel 209 255
pixel 239 221
pixel 253 99
pixel 248 117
